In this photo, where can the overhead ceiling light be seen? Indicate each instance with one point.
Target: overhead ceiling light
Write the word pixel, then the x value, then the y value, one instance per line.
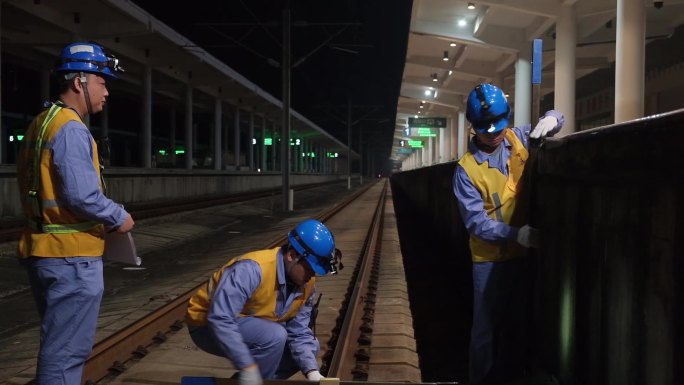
pixel 452 44
pixel 450 72
pixel 471 6
pixel 446 56
pixel 462 23
pixel 428 93
pixel 434 77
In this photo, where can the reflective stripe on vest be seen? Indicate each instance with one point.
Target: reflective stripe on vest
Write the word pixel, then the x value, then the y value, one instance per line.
pixel 37 205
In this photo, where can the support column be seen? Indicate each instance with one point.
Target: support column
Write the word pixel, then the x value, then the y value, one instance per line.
pixel 250 153
pixel 146 145
pixel 462 139
pixel 286 67
pixel 218 161
pixel 172 136
pixel 523 86
pixel 360 154
pixel 453 137
pixel 274 146
pixel 262 145
pixel 629 60
pixel 236 139
pixel 564 73
pixel 188 127
pixel 443 145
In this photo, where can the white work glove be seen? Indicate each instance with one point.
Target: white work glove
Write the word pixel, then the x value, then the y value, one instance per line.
pixel 314 375
pixel 545 125
pixel 250 376
pixel 528 236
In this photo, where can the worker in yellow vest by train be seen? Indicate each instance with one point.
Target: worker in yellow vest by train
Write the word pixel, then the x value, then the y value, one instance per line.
pixel 256 310
pixel 486 185
pixel 67 214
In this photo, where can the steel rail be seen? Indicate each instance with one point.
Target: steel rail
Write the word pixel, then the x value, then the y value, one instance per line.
pixel 342 364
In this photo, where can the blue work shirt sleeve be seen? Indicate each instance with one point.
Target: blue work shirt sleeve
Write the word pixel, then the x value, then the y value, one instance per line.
pixel 301 340
pixel 79 183
pixel 234 289
pixel 473 214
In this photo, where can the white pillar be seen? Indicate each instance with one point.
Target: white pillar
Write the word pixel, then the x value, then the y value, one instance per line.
pixel 218 163
pixel 523 86
pixel 462 139
pixel 453 137
pixel 188 127
pixel 236 139
pixel 274 147
pixel 262 144
pixel 443 145
pixel 146 150
pixel 250 153
pixel 564 73
pixel 629 60
pixel 172 136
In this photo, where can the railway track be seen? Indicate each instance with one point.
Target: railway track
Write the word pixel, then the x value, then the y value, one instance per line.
pixel 110 355
pixel 346 347
pixel 179 251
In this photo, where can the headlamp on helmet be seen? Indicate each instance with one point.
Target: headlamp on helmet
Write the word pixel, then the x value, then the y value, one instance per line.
pixel 89 58
pixel 487 110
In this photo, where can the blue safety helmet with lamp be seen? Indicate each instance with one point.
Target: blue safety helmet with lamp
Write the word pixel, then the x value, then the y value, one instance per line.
pixel 315 243
pixel 89 58
pixel 488 110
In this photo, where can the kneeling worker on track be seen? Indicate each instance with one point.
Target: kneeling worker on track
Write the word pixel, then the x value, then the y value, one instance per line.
pixel 256 310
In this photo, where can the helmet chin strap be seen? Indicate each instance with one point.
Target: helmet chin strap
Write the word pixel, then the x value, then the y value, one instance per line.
pixel 84 83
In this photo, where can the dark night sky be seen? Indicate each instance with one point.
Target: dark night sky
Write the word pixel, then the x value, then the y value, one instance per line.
pixel 350 48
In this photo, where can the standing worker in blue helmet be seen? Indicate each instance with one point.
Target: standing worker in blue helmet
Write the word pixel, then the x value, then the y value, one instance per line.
pixel 67 212
pixel 486 185
pixel 256 309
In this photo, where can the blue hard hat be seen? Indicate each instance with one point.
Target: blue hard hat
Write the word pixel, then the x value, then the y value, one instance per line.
pixel 88 57
pixel 488 110
pixel 314 242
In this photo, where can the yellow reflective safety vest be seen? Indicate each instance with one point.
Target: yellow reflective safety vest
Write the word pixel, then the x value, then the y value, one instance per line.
pixel 53 230
pixel 261 304
pixel 499 194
